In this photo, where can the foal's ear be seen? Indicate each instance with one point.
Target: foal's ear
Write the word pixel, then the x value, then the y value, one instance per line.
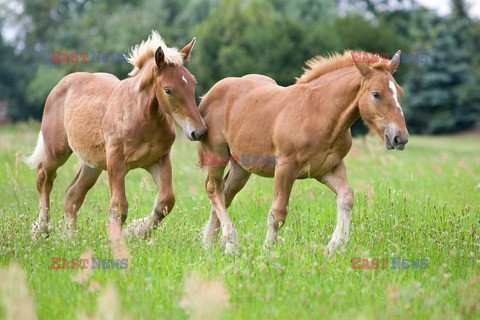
pixel 364 69
pixel 160 58
pixel 188 49
pixel 393 64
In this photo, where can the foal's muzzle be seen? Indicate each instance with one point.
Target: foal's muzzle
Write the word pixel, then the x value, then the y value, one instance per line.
pixel 197 135
pixel 394 139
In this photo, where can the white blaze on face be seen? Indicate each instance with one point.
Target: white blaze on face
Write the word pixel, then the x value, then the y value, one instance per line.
pixel 395 94
pixel 183 78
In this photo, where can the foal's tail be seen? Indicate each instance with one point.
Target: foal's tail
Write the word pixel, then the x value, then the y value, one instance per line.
pixel 38 154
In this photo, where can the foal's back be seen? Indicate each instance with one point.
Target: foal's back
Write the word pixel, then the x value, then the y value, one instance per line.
pixel 80 92
pixel 74 111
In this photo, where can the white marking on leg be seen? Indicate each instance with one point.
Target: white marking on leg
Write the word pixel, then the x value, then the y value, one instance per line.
pixel 395 94
pixel 344 207
pixel 344 217
pixel 209 229
pixel 271 230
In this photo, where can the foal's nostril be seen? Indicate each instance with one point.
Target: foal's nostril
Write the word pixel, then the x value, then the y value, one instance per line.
pixel 397 140
pixel 199 134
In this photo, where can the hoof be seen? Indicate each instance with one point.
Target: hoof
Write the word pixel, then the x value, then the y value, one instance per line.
pixel 328 252
pixel 40 230
pixel 335 246
pixel 331 248
pixel 209 236
pixel 71 233
pixel 232 249
pixel 271 240
pixel 268 245
pixel 71 230
pixel 140 228
pixel 207 243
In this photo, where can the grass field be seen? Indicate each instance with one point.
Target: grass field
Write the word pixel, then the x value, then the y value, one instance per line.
pixel 421 203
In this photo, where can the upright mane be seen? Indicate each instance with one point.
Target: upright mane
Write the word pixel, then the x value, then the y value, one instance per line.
pixel 140 53
pixel 320 65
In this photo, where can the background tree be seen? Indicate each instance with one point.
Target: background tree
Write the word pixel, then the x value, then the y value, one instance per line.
pixel 236 37
pixel 442 93
pixel 241 37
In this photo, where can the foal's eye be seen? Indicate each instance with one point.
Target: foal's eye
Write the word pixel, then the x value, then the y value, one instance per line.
pixel 376 95
pixel 168 91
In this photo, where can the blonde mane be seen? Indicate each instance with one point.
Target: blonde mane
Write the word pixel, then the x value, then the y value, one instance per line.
pixel 320 65
pixel 139 54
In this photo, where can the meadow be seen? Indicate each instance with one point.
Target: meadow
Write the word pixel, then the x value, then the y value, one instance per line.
pixel 422 203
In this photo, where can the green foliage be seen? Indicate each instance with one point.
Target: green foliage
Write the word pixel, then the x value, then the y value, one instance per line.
pixel 45 78
pixel 442 93
pixel 9 71
pixel 237 37
pixel 13 78
pixel 356 33
pixel 230 43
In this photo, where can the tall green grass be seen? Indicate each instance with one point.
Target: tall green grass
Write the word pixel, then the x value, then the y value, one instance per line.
pixel 423 202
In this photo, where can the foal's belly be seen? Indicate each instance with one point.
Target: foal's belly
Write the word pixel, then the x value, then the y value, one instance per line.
pixel 262 165
pixel 319 166
pixel 314 166
pixel 144 155
pixel 258 158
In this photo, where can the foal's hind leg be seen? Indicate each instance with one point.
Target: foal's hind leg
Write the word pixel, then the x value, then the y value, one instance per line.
pixel 162 175
pixel 55 156
pixel 234 181
pixel 336 180
pixel 76 192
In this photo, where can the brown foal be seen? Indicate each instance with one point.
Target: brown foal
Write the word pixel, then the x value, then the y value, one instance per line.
pixel 305 128
pixel 117 126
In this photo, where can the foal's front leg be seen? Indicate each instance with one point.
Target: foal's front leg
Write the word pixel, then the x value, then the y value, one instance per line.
pixel 285 175
pixel 215 189
pixel 118 209
pixel 336 180
pixel 162 175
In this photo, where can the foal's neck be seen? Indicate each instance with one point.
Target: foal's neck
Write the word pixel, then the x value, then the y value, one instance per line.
pixel 148 107
pixel 339 90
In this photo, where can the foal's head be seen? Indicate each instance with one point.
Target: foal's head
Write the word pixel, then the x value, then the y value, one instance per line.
pixel 379 102
pixel 173 85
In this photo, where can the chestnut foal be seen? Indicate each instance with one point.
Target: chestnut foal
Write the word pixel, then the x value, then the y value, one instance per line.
pixel 117 126
pixel 305 128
